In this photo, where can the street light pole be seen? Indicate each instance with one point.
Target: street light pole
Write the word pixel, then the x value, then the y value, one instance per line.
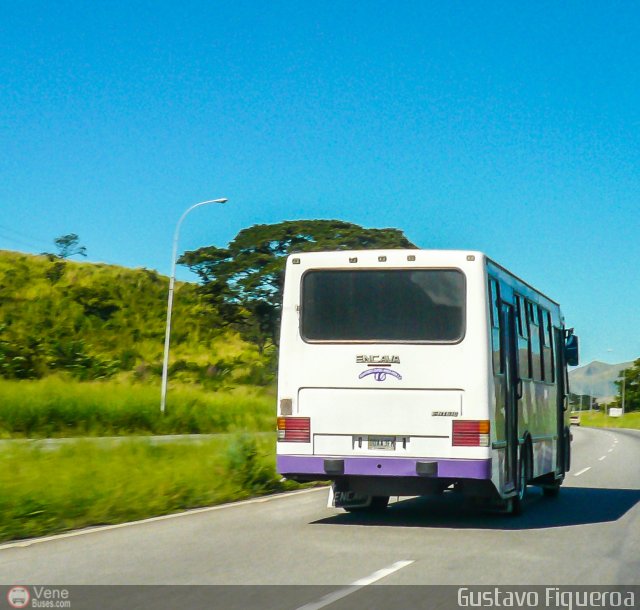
pixel 172 281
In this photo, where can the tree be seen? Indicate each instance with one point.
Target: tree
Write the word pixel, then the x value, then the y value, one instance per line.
pixel 631 378
pixel 582 402
pixel 68 245
pixel 244 281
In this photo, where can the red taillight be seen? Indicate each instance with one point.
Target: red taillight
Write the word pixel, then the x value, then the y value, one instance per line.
pixel 470 433
pixel 294 429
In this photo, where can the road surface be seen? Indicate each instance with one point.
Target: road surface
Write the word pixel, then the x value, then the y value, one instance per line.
pixel 589 535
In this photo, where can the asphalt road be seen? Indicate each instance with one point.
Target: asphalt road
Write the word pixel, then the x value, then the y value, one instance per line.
pixel 589 535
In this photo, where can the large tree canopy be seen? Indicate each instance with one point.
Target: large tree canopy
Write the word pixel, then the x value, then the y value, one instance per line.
pixel 245 279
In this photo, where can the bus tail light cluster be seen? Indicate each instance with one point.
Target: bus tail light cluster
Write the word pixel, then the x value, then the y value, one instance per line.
pixel 294 429
pixel 470 433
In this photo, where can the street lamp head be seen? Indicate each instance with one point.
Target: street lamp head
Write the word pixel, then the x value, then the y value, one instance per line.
pixel 221 200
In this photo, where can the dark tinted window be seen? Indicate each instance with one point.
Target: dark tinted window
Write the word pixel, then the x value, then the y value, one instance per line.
pixel 524 364
pixel 385 305
pixel 536 348
pixel 546 335
pixel 547 347
pixel 496 347
pixel 523 328
pixel 494 295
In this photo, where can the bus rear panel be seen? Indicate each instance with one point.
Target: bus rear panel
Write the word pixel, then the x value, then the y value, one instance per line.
pixel 387 381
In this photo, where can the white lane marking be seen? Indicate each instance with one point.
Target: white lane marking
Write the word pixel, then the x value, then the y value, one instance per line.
pixel 615 440
pixel 577 474
pixel 610 450
pixel 379 574
pixel 186 513
pixel 356 586
pixel 604 457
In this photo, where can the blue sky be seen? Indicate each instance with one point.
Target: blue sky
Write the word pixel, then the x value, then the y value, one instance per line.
pixel 511 128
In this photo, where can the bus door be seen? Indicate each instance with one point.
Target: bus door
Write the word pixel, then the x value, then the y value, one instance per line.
pixel 562 398
pixel 512 392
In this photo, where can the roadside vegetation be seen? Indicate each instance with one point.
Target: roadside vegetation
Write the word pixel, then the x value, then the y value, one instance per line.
pixel 57 407
pixel 599 420
pixel 628 386
pixel 90 322
pixel 49 488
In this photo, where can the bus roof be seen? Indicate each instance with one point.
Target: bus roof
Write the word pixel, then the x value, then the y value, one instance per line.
pixel 431 256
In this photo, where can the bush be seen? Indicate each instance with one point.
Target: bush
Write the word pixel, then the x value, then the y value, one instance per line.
pixel 248 467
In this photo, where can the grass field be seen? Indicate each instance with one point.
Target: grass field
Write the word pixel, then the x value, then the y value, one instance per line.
pixel 54 407
pixel 47 489
pixel 50 487
pixel 600 420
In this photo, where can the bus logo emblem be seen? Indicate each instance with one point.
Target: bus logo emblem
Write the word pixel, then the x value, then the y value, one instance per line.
pixel 379 374
pixel 377 360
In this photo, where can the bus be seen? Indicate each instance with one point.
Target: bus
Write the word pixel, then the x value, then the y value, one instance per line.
pixel 414 372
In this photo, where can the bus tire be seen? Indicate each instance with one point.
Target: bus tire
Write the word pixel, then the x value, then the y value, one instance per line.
pixel 379 503
pixel 551 491
pixel 516 503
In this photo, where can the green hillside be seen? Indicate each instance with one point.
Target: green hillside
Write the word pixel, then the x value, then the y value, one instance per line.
pixel 95 321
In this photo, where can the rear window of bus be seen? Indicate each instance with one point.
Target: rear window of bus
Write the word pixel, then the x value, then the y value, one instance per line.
pixel 391 305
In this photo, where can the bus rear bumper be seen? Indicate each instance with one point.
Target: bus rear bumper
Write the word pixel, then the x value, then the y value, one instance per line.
pixel 328 467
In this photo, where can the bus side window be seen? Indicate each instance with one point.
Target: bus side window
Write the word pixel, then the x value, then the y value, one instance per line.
pixel 524 360
pixel 547 349
pixel 534 332
pixel 494 295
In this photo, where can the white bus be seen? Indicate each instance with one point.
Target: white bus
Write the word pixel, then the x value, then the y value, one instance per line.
pixel 409 372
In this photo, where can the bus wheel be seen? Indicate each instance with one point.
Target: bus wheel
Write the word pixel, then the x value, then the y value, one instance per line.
pixel 551 491
pixel 516 503
pixel 378 504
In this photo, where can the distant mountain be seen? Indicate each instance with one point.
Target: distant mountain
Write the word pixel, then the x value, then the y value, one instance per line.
pixel 596 379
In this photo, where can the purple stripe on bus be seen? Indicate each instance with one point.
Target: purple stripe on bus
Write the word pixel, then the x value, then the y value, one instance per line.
pixel 389 467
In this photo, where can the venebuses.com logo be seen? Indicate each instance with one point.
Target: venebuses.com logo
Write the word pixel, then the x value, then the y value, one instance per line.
pixel 18 597
pixel 38 596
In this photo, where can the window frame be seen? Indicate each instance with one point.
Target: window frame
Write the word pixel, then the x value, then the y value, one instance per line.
pixel 311 341
pixel 524 336
pixel 548 345
pixel 535 339
pixel 495 301
pixel 523 322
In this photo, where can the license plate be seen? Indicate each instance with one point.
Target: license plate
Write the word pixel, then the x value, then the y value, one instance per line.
pixel 385 443
pixel 350 499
